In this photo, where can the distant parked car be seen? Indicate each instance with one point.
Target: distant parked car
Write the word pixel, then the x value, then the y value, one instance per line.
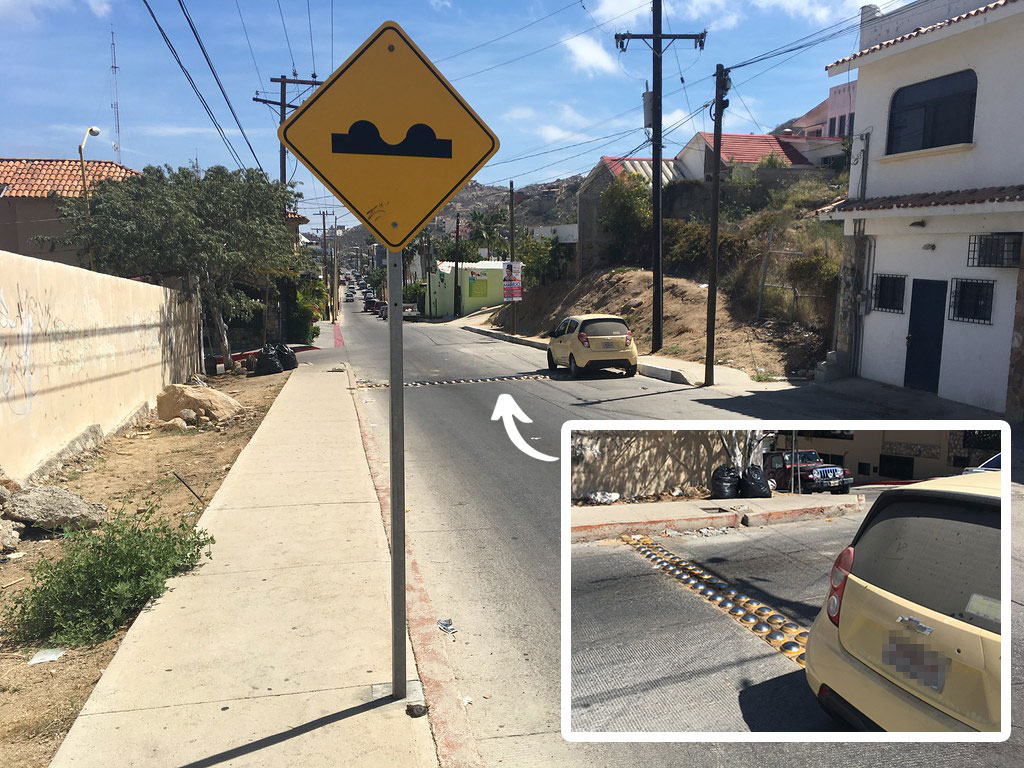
pixel 350 297
pixel 909 636
pixel 382 310
pixel 590 342
pixel 369 305
pixel 815 475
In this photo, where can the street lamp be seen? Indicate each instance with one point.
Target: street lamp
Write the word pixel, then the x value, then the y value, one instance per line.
pixel 93 131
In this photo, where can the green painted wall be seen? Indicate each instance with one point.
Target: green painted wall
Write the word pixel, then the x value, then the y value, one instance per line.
pixel 476 293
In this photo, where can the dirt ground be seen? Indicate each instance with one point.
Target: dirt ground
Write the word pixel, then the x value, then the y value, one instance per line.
pixel 769 348
pixel 132 471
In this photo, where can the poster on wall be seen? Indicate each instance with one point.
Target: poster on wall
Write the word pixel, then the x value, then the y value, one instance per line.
pixel 512 281
pixel 478 283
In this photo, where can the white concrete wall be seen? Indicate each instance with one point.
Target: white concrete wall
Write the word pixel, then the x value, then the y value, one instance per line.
pixel 993 51
pixel 81 351
pixel 692 158
pixel 975 357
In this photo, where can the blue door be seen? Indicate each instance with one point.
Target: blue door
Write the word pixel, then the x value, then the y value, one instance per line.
pixel 924 335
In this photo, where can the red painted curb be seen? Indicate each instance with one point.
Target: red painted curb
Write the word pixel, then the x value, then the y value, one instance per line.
pixel 339 340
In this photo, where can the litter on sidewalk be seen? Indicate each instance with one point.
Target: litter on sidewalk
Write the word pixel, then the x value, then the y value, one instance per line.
pixel 47 654
pixel 446 626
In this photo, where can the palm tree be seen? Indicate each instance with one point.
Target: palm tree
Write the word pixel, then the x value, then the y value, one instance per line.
pixel 485 228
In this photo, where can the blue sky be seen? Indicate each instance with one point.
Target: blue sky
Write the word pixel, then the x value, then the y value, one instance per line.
pixel 58 73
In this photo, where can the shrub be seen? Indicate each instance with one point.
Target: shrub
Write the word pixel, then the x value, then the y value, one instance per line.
pixel 102 580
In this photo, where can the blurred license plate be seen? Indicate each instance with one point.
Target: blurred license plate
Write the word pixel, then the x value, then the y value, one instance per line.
pixel 608 345
pixel 915 661
pixel 833 482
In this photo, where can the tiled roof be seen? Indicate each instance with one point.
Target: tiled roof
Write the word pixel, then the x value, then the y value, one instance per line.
pixel 671 169
pixel 37 178
pixel 295 216
pixel 744 148
pixel 1005 194
pixel 923 31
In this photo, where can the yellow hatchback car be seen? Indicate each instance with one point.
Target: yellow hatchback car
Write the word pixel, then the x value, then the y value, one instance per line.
pixel 591 342
pixel 909 636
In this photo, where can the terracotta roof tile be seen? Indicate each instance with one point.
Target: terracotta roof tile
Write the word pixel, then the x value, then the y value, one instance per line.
pixel 923 31
pixel 37 178
pixel 744 148
pixel 1004 194
pixel 295 216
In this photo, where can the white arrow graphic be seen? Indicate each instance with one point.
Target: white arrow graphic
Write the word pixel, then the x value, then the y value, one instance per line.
pixel 508 410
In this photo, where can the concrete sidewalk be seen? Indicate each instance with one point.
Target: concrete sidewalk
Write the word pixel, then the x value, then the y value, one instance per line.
pixel 650 518
pixel 269 653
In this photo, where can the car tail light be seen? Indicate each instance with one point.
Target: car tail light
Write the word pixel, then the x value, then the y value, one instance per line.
pixel 583 339
pixel 629 338
pixel 837 583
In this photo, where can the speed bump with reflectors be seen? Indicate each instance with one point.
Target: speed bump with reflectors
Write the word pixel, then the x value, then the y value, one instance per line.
pixel 760 628
pixel 726 603
pixel 775 638
pixel 750 620
pixel 741 599
pixel 789 628
pixel 737 612
pixel 777 620
pixel 752 605
pixel 802 659
pixel 802 638
pixel 764 611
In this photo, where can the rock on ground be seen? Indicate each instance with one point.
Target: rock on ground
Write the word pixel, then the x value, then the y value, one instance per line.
pixel 53 508
pixel 188 415
pixel 214 403
pixel 175 423
pixel 9 533
pixel 5 496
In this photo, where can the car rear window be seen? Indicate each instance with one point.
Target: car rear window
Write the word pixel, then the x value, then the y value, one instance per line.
pixel 942 554
pixel 604 328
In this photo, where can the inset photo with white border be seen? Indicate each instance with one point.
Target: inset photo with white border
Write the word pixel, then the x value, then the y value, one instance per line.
pixel 785 581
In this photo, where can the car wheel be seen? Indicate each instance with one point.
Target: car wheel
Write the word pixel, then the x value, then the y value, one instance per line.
pixel 844 489
pixel 630 371
pixel 552 365
pixel 574 369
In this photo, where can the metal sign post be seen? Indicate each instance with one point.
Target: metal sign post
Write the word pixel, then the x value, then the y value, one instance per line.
pixel 396 412
pixel 394 141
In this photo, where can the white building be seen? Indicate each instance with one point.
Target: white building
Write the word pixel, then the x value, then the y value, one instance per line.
pixel 932 288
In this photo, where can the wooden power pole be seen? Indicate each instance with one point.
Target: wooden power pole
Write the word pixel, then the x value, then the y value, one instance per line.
pixel 721 88
pixel 655 40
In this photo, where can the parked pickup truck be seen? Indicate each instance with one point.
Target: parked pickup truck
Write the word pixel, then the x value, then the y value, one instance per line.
pixel 815 475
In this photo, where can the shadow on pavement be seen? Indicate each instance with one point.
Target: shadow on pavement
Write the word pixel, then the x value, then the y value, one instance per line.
pixel 785 703
pixel 291 733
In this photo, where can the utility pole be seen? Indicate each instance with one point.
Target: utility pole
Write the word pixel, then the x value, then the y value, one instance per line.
pixel 722 84
pixel 512 245
pixel 336 294
pixel 654 40
pixel 457 295
pixel 282 105
pixel 326 274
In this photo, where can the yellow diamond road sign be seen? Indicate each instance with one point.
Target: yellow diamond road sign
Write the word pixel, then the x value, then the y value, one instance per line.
pixel 390 136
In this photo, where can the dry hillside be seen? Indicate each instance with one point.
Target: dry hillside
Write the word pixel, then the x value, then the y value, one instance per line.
pixel 779 349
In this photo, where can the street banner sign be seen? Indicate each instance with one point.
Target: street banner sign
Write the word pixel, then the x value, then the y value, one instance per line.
pixel 389 136
pixel 512 281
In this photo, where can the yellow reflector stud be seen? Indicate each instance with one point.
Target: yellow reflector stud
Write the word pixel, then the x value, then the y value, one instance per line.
pixel 760 628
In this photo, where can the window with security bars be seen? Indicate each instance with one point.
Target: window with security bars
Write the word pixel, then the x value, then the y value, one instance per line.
pixel 887 293
pixel 971 301
pixel 998 249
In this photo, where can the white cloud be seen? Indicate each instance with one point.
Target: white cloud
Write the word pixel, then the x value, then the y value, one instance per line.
pixel 589 56
pixel 570 116
pixel 606 10
pixel 550 132
pixel 519 114
pixel 99 7
pixel 440 5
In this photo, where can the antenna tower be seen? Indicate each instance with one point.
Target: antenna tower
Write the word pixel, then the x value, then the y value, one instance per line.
pixel 113 103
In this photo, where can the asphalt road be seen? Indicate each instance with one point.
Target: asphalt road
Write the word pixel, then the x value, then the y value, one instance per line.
pixel 483 523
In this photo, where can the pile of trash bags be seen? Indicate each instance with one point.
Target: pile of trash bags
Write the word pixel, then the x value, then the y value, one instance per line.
pixel 728 483
pixel 275 359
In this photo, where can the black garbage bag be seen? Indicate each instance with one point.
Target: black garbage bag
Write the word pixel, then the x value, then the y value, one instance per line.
pixel 754 484
pixel 286 356
pixel 725 483
pixel 268 361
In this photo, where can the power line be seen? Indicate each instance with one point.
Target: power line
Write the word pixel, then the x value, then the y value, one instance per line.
pixel 259 77
pixel 195 88
pixel 312 53
pixel 220 85
pixel 567 146
pixel 751 114
pixel 509 34
pixel 548 47
pixel 295 72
